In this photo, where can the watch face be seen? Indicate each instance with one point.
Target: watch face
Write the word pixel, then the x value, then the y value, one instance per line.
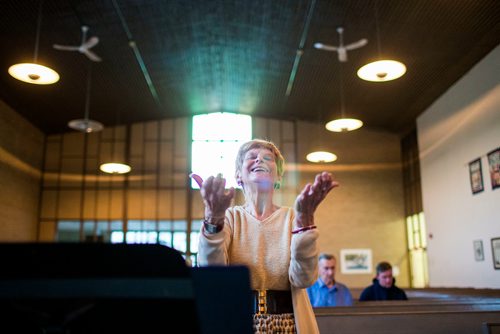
pixel 211 228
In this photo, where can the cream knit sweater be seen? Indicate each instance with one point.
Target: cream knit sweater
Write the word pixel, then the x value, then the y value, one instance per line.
pixel 277 260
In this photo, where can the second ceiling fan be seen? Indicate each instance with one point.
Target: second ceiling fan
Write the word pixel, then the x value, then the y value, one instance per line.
pixel 341 49
pixel 84 47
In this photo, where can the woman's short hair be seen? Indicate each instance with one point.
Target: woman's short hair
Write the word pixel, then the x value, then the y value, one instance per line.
pixel 260 143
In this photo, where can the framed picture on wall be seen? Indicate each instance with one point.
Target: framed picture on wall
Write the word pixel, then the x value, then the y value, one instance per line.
pixel 495 249
pixel 476 176
pixel 478 250
pixel 494 167
pixel 356 261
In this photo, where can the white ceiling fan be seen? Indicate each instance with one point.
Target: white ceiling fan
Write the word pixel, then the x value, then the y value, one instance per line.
pixel 84 47
pixel 341 48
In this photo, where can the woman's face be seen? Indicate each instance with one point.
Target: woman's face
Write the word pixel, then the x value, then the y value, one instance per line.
pixel 259 166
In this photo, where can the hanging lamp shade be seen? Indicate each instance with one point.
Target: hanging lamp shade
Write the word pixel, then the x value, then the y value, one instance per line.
pixel 116 161
pixel 115 168
pixel 321 156
pixel 86 124
pixel 344 124
pixel 34 73
pixel 382 70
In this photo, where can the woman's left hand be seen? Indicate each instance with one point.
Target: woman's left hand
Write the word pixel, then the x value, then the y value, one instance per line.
pixel 311 196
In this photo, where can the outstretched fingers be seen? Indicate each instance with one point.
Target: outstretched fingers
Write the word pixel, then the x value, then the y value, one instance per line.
pixel 197 178
pixel 324 183
pixel 313 194
pixel 214 194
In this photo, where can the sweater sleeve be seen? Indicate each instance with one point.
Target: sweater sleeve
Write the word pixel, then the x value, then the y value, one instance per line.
pixel 303 270
pixel 213 248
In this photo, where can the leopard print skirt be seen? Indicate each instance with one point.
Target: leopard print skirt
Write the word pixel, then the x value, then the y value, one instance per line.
pixel 274 323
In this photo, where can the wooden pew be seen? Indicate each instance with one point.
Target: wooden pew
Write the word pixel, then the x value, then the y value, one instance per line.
pixel 429 311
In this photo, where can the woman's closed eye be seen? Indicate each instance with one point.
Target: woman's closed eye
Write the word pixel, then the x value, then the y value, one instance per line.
pixel 268 158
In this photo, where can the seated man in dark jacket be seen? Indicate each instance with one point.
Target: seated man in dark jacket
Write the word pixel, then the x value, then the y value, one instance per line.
pixel 383 287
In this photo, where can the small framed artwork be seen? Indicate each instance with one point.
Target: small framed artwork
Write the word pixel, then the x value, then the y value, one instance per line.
pixel 494 167
pixel 495 248
pixel 478 250
pixel 476 176
pixel 356 261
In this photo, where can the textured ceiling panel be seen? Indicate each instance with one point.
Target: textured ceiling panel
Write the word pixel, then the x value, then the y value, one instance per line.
pixel 165 59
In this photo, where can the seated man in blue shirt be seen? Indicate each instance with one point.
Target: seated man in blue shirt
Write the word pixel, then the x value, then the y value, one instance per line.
pixel 326 291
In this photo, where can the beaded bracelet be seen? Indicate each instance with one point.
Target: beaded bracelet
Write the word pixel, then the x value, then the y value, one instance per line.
pixel 303 229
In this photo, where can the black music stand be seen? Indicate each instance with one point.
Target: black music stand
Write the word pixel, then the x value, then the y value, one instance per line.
pixel 223 299
pixel 107 288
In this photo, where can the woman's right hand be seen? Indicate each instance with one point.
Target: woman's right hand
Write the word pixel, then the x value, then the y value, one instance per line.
pixel 312 195
pixel 215 196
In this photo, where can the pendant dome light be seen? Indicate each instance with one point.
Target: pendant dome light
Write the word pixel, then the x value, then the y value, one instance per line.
pixel 115 168
pixel 85 124
pixel 116 162
pixel 343 124
pixel 384 69
pixel 320 155
pixel 32 72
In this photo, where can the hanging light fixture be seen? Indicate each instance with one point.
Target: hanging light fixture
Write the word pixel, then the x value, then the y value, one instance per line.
pixel 343 124
pixel 115 168
pixel 384 69
pixel 117 164
pixel 320 155
pixel 85 124
pixel 32 72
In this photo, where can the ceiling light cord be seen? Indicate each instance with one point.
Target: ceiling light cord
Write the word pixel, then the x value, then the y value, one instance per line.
pixel 34 73
pixel 85 124
pixel 343 124
pixel 342 102
pixel 381 70
pixel 377 29
pixel 38 27
pixel 87 95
